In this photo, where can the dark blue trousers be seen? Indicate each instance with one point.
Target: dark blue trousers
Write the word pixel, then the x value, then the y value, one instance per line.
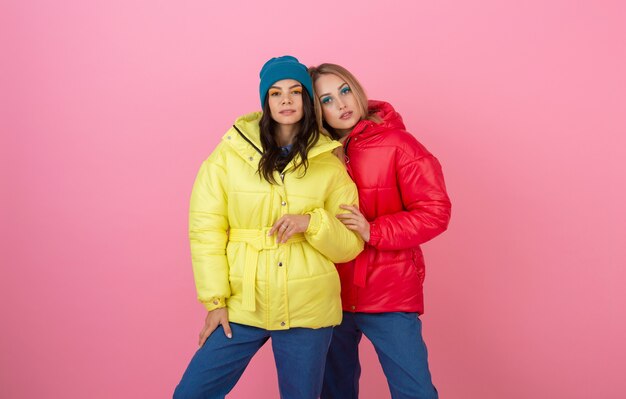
pixel 397 338
pixel 299 353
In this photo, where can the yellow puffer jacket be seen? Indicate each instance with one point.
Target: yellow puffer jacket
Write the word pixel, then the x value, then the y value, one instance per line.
pixel 237 265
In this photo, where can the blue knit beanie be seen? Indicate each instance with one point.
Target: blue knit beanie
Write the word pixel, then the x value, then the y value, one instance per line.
pixel 285 67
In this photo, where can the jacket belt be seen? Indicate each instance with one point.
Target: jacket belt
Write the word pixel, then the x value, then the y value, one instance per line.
pixel 257 240
pixel 360 269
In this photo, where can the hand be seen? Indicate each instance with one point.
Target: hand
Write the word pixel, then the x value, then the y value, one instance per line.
pixel 355 221
pixel 288 225
pixel 213 319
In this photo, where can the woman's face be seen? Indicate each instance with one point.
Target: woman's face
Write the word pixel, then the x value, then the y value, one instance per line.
pixel 340 108
pixel 285 101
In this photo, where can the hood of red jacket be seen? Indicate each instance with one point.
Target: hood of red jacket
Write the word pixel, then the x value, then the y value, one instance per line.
pixel 385 111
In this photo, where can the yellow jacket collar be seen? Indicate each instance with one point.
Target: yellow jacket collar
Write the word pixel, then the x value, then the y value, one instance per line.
pixel 248 126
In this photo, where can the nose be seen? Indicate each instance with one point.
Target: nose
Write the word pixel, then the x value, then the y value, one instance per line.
pixel 340 104
pixel 286 99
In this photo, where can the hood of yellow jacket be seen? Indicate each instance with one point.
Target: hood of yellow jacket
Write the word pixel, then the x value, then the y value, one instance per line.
pixel 248 126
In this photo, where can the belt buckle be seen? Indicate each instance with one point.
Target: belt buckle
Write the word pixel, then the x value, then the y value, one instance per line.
pixel 269 242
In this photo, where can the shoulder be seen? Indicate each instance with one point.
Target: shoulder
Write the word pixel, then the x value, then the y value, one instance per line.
pixel 328 169
pixel 329 161
pixel 225 149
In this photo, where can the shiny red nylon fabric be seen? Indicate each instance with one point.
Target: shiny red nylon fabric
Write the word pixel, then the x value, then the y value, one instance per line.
pixel 403 195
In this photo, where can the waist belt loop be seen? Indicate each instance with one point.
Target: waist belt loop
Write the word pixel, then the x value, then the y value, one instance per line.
pixel 256 241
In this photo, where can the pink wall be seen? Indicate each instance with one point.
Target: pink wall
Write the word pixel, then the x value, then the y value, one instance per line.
pixel 108 108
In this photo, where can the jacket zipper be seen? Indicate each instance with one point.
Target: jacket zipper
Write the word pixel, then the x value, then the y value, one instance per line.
pixel 345 154
pixel 248 140
pixel 346 150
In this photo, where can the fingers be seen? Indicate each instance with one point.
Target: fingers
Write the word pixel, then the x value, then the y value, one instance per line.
pixel 288 232
pixel 226 326
pixel 353 222
pixel 279 226
pixel 353 226
pixel 213 319
pixel 283 228
pixel 276 226
pixel 206 332
pixel 361 228
pixel 349 222
pixel 349 216
pixel 282 231
pixel 278 229
pixel 351 208
pixel 356 227
pixel 288 225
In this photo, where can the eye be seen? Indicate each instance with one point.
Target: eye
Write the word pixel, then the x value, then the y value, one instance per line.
pixel 345 90
pixel 297 92
pixel 274 93
pixel 326 100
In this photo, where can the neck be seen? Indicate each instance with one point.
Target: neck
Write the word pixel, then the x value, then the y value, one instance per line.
pixel 285 134
pixel 343 134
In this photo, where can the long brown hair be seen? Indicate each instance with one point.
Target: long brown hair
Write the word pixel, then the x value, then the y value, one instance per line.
pixel 306 137
pixel 355 86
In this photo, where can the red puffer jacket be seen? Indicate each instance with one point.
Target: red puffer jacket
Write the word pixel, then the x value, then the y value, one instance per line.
pixel 403 196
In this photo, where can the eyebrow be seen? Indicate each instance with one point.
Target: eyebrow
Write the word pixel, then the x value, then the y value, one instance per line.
pixel 291 87
pixel 338 88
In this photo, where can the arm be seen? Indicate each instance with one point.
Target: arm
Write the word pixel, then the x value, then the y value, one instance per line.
pixel 426 203
pixel 208 226
pixel 326 233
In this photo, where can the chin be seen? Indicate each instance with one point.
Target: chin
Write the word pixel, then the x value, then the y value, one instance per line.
pixel 290 120
pixel 345 125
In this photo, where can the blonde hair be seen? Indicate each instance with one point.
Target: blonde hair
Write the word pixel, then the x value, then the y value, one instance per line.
pixel 355 86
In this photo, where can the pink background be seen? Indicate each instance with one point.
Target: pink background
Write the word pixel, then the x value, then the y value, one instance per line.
pixel 108 108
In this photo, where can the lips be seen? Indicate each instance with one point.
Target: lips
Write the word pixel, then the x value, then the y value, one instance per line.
pixel 287 112
pixel 346 115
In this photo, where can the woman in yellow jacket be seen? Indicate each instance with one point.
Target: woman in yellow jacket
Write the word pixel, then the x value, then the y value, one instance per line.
pixel 264 240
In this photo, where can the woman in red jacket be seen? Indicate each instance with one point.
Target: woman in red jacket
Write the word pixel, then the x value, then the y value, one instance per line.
pixel 403 203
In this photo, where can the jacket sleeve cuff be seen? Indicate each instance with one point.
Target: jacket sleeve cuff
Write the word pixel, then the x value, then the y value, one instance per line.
pixel 374 235
pixel 215 303
pixel 315 223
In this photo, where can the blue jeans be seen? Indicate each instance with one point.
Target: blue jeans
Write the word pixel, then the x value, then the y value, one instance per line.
pixel 397 338
pixel 299 353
